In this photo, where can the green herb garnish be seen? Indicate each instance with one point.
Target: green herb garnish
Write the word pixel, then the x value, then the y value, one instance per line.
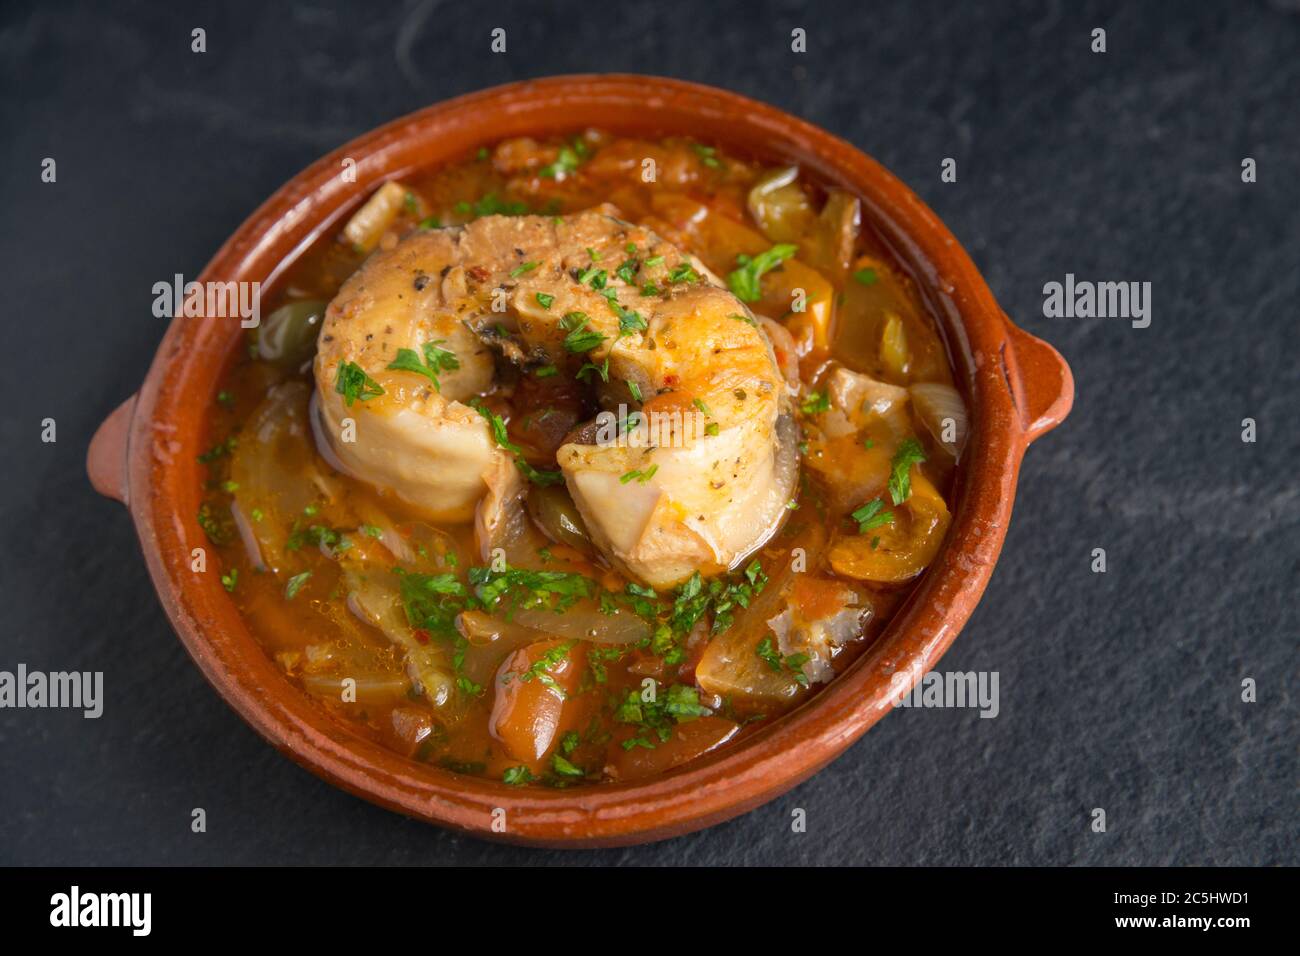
pixel 745 280
pixel 871 515
pixel 816 403
pixel 435 360
pixel 353 383
pixel 900 467
pixel 295 584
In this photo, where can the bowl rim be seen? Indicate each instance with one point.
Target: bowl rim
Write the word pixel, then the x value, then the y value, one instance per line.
pixel 1019 387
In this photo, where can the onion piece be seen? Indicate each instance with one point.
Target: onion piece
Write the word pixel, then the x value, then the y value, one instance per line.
pixel 372 220
pixel 942 411
pixel 834 235
pixel 375 597
pixel 779 206
pixel 378 688
pixel 895 355
pixel 585 622
pixel 274 472
pixel 731 665
pixel 247 537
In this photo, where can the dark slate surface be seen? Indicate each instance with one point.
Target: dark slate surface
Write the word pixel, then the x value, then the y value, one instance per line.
pixel 1119 691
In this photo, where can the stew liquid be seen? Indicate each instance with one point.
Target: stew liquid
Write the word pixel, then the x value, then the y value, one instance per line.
pixel 505 622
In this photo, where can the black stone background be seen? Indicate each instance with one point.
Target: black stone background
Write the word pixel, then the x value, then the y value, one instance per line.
pixel 1118 690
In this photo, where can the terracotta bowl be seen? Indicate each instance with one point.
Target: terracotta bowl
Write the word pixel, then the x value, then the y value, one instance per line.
pixel 144 456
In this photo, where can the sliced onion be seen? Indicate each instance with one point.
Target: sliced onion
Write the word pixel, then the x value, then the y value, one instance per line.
pixel 943 413
pixel 369 688
pixel 372 220
pixel 274 471
pixel 375 597
pixel 586 622
pixel 779 206
pixel 731 665
pixel 855 398
pixel 247 537
pixel 834 235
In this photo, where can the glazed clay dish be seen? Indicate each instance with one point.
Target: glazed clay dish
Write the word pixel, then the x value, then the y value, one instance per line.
pixel 602 456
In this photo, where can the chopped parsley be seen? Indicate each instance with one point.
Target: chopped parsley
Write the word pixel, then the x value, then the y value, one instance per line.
pixel 217 529
pixel 435 360
pixel 791 663
pixel 219 450
pixel 871 515
pixel 865 276
pixel 580 338
pixel 900 477
pixel 744 281
pixel 431 601
pixel 816 403
pixel 540 669
pixel 520 588
pixel 654 720
pixel 523 269
pixel 627 271
pixel 641 477
pixel 568 161
pixel 593 277
pixel 518 776
pixel 490 205
pixel 694 598
pixel 602 370
pixel 499 434
pixel 295 584
pixel 353 383
pixel 683 272
pixel 545 300
pixel 329 540
pixel 564 768
pixel 708 155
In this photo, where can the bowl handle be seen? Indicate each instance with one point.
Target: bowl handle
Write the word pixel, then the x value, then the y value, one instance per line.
pixel 106 460
pixel 1046 382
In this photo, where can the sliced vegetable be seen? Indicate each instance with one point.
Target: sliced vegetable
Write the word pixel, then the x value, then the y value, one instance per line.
pixel 779 206
pixel 534 703
pixel 834 235
pixel 373 219
pixel 901 549
pixel 894 353
pixel 557 516
pixel 288 336
pixel 943 413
